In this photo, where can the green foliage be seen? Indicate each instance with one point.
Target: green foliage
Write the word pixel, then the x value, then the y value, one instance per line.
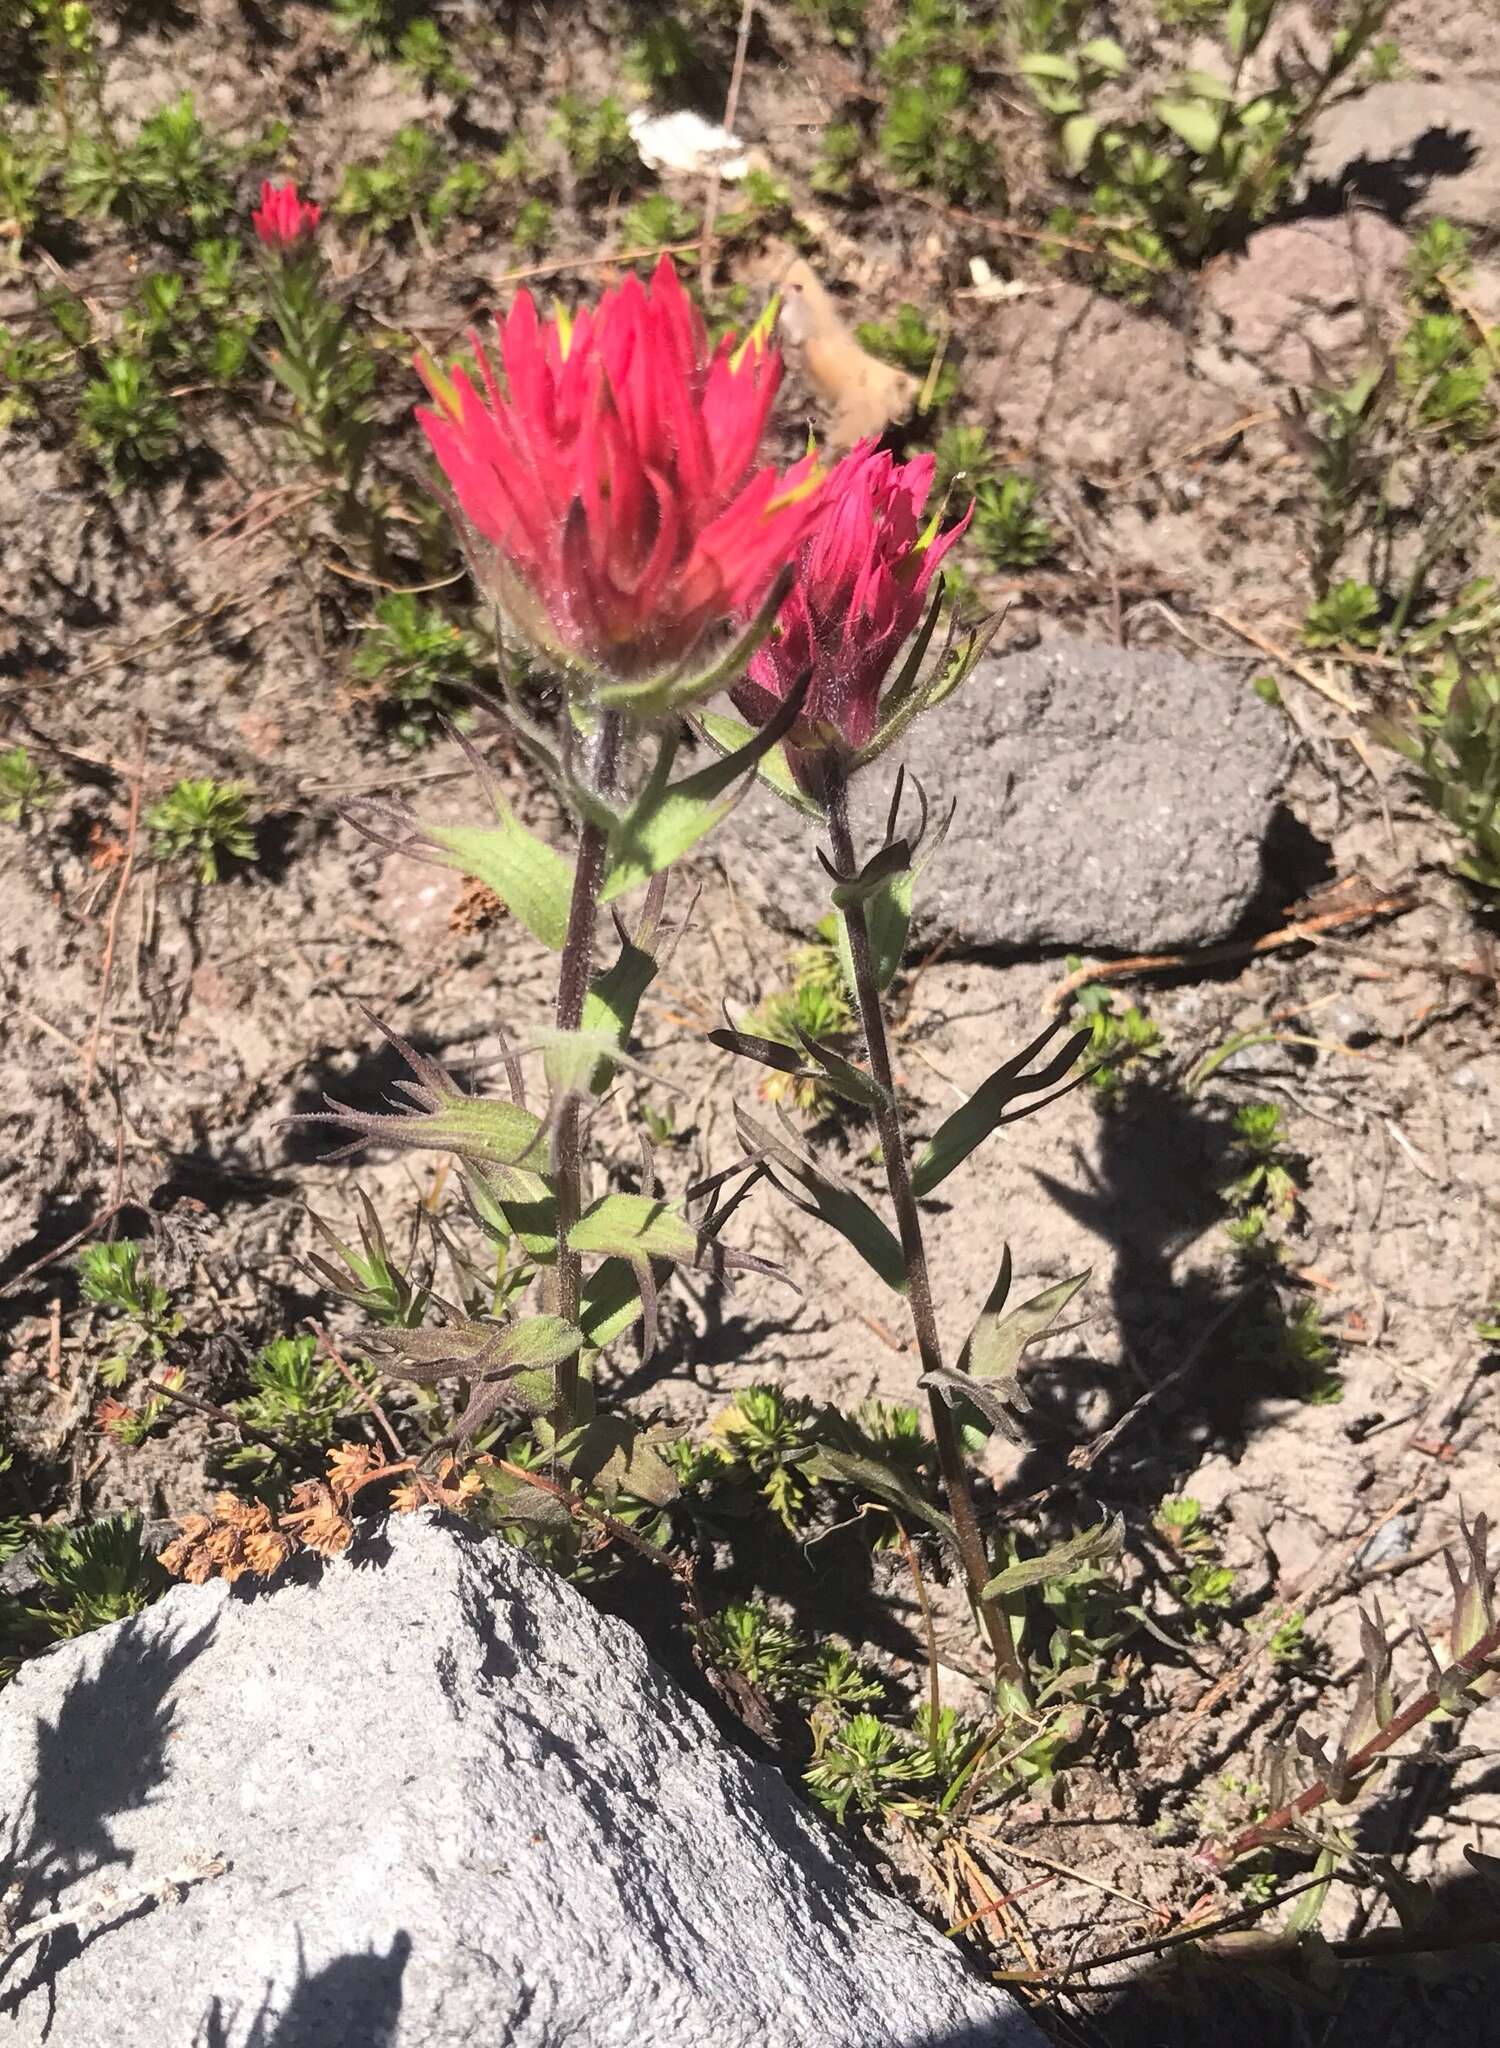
pixel 25 789
pixel 865 1763
pixel 836 171
pixel 422 663
pixel 1120 1039
pixel 1290 1648
pixel 1201 165
pixel 770 1438
pixel 175 177
pixel 25 164
pixel 531 231
pixel 814 1005
pixel 843 21
pixel 299 1398
pixel 422 48
pixel 1008 531
pixel 664 57
pixel 1446 370
pixel 372 1277
pixel 1349 616
pixel 764 207
pixel 744 1637
pixel 927 141
pixel 1260 1139
pixel 597 142
pixel 205 821
pixel 964 462
pixel 1453 745
pixel 127 420
pixel 114 1278
pixel 1441 255
pixel 909 343
pixel 412 181
pixel 93 1573
pixel 656 220
pixel 1289 1350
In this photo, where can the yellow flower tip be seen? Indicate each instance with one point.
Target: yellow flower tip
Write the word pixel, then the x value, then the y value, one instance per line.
pixel 758 337
pixel 562 320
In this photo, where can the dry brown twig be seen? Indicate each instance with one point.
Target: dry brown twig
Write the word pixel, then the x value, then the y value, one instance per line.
pixel 1305 929
pixel 112 929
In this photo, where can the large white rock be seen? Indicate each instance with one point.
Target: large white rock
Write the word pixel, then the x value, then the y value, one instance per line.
pixel 457 1808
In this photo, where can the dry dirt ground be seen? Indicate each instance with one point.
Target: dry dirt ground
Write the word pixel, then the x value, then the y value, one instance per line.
pixel 200 629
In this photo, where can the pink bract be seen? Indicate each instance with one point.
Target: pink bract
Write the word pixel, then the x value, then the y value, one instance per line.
pixel 284 218
pixel 609 477
pixel 862 585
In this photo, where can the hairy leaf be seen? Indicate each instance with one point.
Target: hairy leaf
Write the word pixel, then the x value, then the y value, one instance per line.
pixel 530 877
pixel 873 1475
pixel 635 1227
pixel 1097 1545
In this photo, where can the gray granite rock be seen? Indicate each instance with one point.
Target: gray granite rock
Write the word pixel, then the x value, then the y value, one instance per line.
pixel 1105 799
pixel 1415 148
pixel 433 1802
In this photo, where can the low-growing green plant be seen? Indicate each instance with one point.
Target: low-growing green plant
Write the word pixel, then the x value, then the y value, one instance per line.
pixel 423 49
pixel 657 220
pixel 421 662
pixel 25 789
pixel 909 343
pixel 963 460
pixel 300 1399
pixel 1121 1035
pixel 114 1278
pixel 865 1763
pixel 1453 746
pixel 666 57
pixel 837 168
pixel 842 21
pixel 763 207
pixel 127 420
pixel 1349 616
pixel 597 142
pixel 93 1573
pixel 1008 530
pixel 413 180
pixel 203 821
pixel 1265 1176
pixel 1441 256
pixel 1447 370
pixel 928 140
pixel 1203 164
pixel 531 230
pixel 1288 1348
pixel 174 177
pixel 771 1439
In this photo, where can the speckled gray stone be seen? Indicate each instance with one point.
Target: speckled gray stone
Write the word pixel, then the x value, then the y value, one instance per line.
pixel 458 1808
pixel 1106 799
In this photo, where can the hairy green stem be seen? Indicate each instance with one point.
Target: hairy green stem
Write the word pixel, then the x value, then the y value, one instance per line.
pixel 893 1144
pixel 572 989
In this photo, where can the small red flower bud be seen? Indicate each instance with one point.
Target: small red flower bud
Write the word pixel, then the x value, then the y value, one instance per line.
pixel 861 589
pixel 283 219
pixel 607 478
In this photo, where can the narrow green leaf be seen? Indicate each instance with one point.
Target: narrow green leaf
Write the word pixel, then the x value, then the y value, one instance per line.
pixel 984 1112
pixel 668 819
pixel 634 1227
pixel 887 920
pixel 773 769
pixel 872 1475
pixel 843 1210
pixel 986 1387
pixel 1105 54
pixel 1091 1546
pixel 540 1341
pixel 609 1008
pixel 841 1075
pixel 509 1201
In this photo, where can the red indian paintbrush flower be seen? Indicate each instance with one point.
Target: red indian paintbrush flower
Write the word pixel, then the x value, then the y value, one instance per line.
pixel 284 218
pixel 610 487
pixel 861 590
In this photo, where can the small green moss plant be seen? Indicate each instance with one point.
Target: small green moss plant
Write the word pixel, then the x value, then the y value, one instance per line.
pixel 1122 1037
pixel 422 664
pixel 127 421
pixel 596 139
pixel 204 822
pixel 1452 743
pixel 26 791
pixel 115 1278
